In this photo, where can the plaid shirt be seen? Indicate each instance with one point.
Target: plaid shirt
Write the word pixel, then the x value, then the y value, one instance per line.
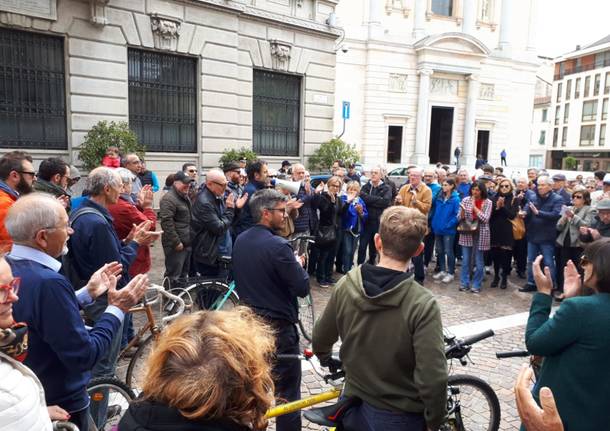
pixel 484 235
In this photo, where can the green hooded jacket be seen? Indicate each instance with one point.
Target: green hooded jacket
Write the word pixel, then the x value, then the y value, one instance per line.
pixel 392 346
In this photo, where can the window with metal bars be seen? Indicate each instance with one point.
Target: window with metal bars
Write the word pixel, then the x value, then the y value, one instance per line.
pixel 163 100
pixel 32 91
pixel 276 113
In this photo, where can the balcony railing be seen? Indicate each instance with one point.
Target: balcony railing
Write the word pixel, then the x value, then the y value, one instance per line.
pixel 582 68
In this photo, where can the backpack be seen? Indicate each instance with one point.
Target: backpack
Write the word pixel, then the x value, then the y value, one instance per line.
pixel 68 264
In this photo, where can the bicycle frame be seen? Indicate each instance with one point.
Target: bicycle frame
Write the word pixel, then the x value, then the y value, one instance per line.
pixel 295 406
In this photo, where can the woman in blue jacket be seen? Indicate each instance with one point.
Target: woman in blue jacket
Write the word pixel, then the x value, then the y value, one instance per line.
pixel 352 221
pixel 444 224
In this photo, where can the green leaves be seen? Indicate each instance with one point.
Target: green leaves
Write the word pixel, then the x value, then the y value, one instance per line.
pixel 104 135
pixel 236 155
pixel 335 149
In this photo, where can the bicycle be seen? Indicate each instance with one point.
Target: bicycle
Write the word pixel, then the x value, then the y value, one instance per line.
pixel 471 403
pixel 301 245
pixel 111 396
pixel 135 369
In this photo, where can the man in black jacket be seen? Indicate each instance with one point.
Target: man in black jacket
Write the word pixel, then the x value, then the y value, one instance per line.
pixel 377 196
pixel 601 225
pixel 269 278
pixel 211 220
pixel 175 217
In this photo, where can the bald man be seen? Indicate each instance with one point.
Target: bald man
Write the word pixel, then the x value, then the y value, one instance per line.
pixel 211 221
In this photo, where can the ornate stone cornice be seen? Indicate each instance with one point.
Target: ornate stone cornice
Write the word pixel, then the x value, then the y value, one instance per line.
pixel 166 31
pixel 254 12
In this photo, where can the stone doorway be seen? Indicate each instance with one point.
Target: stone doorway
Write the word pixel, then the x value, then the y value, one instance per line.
pixel 441 131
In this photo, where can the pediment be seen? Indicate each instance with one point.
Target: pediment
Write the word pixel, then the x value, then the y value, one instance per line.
pixel 459 43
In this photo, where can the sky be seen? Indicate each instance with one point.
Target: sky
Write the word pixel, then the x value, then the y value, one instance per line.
pixel 563 24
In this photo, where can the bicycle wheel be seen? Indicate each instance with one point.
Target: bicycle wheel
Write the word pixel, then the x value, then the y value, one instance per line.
pixel 136 371
pixel 473 405
pixel 110 399
pixel 208 295
pixel 306 316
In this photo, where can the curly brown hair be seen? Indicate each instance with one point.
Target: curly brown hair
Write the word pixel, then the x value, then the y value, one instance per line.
pixel 214 365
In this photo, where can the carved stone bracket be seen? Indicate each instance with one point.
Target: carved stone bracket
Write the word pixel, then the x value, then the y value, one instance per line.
pixel 166 31
pixel 399 6
pixel 280 54
pixel 98 11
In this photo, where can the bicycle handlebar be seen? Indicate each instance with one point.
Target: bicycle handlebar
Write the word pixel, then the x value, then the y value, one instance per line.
pixel 477 337
pixel 170 296
pixel 515 354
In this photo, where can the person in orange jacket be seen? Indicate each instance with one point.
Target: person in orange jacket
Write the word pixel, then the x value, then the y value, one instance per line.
pixel 16 178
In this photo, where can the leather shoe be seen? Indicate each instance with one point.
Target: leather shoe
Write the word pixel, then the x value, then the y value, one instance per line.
pixel 528 288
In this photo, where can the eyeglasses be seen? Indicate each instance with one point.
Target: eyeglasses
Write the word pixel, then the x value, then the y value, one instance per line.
pixel 505 186
pixel 65 227
pixel 278 209
pixel 584 261
pixel 33 174
pixel 223 185
pixel 192 171
pixel 6 289
pixel 577 196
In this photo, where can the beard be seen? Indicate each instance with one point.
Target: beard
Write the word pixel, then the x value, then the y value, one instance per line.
pixel 23 187
pixel 65 249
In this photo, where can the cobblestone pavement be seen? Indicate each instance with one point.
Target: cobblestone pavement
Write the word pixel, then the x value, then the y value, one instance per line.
pixel 456 308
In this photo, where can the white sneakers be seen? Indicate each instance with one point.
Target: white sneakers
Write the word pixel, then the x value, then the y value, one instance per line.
pixel 443 277
pixel 439 275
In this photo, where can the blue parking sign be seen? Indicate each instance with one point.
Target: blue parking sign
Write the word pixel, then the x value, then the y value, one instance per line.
pixel 345 111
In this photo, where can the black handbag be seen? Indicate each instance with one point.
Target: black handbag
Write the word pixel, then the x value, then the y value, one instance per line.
pixel 326 236
pixel 468 226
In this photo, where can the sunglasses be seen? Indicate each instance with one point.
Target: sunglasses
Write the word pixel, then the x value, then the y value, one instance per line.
pixel 33 174
pixel 6 289
pixel 505 186
pixel 192 171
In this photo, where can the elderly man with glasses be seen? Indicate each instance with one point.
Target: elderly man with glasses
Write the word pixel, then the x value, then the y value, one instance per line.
pixel 132 162
pixel 211 221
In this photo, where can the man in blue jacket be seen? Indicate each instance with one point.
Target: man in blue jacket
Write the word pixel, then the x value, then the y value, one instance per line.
pixel 62 351
pixel 541 215
pixel 269 278
pixel 257 180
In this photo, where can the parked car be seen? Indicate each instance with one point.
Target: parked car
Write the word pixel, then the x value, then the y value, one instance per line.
pixel 398 176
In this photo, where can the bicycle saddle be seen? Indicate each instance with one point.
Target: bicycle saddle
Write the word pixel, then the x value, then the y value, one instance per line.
pixel 331 415
pixel 224 259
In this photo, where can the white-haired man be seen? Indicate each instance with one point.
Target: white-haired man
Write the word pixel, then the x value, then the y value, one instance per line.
pixel 62 351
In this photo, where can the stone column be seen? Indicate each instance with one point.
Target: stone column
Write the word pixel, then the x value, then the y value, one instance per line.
pixel 470 16
pixel 532 34
pixel 375 14
pixel 506 33
pixel 421 156
pixel 419 26
pixel 469 147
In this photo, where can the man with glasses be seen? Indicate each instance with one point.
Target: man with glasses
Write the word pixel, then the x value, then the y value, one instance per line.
pixel 54 179
pixel 257 180
pixel 377 196
pixel 600 226
pixel 232 171
pixel 211 221
pixel 269 278
pixel 16 178
pixel 134 164
pixel 190 169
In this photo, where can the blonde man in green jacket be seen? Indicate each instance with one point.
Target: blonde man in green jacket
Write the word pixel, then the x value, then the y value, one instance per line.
pixel 391 331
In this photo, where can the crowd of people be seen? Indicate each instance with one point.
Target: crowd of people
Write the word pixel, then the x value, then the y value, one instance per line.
pixel 65 257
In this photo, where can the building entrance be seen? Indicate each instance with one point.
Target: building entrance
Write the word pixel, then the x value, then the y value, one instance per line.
pixel 441 127
pixel 483 144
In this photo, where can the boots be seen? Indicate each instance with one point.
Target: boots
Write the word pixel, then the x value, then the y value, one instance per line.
pixel 503 284
pixel 495 281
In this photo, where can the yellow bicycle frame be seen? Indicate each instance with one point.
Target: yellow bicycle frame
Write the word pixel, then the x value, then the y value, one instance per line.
pixel 295 406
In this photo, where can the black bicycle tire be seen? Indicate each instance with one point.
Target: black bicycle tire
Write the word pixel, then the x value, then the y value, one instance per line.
pixel 111 382
pixel 307 332
pixel 211 285
pixel 137 356
pixel 486 390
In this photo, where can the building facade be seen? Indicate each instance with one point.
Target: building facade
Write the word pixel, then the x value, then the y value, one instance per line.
pixel 192 77
pixel 581 89
pixel 541 114
pixel 426 76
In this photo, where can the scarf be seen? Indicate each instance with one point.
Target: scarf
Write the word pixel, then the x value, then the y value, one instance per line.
pixel 14 341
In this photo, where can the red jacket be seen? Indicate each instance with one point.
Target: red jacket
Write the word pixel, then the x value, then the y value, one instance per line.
pixel 6 201
pixel 125 215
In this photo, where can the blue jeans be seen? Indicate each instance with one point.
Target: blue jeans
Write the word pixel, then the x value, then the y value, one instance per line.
pixel 548 258
pixel 479 265
pixel 365 417
pixel 348 247
pixel 444 251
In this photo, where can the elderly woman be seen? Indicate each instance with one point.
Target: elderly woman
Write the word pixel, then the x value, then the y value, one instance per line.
pixel 208 371
pixel 568 243
pixel 505 208
pixel 22 400
pixel 575 342
pixel 476 208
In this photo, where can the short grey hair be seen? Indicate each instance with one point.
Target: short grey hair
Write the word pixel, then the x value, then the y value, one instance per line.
pixel 126 175
pixel 101 177
pixel 546 180
pixel 264 199
pixel 30 214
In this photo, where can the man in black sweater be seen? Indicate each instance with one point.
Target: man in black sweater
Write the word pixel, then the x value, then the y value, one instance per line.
pixel 269 278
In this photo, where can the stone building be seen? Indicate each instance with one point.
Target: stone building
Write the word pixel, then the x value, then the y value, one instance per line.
pixel 425 76
pixel 192 77
pixel 581 90
pixel 541 117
